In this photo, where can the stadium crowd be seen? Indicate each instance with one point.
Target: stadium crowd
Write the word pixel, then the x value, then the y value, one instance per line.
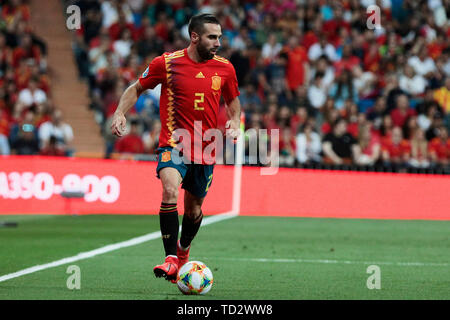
pixel 29 122
pixel 340 93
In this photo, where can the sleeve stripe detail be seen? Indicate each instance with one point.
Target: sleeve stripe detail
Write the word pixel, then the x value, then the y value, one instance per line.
pixel 170 107
pixel 220 59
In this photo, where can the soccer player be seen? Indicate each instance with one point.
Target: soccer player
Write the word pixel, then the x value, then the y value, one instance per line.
pixel 193 81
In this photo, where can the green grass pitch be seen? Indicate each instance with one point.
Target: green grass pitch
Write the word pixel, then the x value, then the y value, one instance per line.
pixel 251 258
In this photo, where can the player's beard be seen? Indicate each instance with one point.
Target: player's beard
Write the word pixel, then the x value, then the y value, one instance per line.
pixel 204 52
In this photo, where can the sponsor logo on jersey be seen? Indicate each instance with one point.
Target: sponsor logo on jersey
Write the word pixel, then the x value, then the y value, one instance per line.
pixel 200 75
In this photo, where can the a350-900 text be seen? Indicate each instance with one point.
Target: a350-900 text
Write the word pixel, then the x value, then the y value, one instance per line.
pixel 42 186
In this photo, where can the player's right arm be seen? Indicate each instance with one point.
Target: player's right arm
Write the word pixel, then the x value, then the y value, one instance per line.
pixel 127 101
pixel 152 76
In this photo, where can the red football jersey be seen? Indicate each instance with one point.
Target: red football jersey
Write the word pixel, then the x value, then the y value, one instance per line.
pixel 442 149
pixel 190 91
pixel 397 151
pixel 130 144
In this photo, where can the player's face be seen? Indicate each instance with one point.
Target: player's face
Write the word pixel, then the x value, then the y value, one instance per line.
pixel 209 41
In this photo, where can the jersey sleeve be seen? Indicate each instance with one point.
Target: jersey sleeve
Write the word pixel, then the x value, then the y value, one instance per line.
pixel 154 74
pixel 230 88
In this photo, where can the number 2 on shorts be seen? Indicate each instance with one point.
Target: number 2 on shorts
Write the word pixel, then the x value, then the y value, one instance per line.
pixel 209 182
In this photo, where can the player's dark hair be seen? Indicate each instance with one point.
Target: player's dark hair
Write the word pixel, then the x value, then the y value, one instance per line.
pixel 197 22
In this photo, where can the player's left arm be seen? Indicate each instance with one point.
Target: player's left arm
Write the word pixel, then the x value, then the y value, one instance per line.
pixel 230 92
pixel 232 126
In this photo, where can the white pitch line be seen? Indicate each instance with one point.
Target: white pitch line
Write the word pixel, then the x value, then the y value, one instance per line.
pixel 112 247
pixel 326 261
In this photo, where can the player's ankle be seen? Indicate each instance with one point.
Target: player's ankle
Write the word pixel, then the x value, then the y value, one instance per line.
pixel 182 247
pixel 171 256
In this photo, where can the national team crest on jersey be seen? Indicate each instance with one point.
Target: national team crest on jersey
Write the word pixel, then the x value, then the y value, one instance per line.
pixel 216 82
pixel 165 156
pixel 145 73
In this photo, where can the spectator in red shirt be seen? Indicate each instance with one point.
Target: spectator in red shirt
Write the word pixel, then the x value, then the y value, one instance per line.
pixel 409 127
pixel 11 11
pixel 5 117
pixel 270 117
pixel 132 142
pixel 372 58
pixel 419 150
pixel 402 111
pixel 299 118
pixel 348 60
pixel 369 146
pixel 355 119
pixel 52 149
pixel 386 127
pixel 162 27
pixel 396 150
pixel 331 27
pixel 330 115
pixel 26 50
pixel 297 67
pixel 436 47
pixel 310 36
pixel 22 75
pixel 284 117
pixel 116 29
pixel 287 147
pixel 5 52
pixel 439 148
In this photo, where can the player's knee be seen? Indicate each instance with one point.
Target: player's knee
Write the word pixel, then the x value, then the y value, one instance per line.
pixel 194 213
pixel 170 194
